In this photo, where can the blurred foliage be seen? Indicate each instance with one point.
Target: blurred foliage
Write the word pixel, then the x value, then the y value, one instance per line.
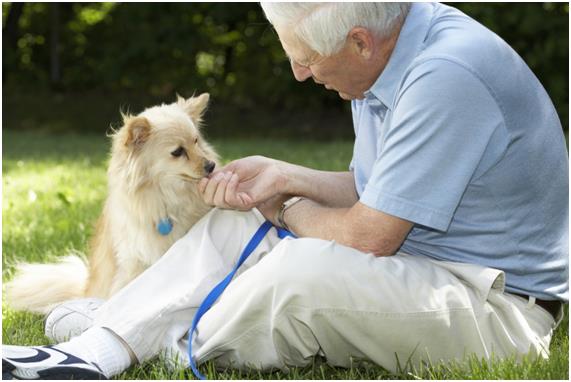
pixel 229 50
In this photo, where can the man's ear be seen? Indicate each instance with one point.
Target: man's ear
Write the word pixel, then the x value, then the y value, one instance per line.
pixel 138 131
pixel 362 41
pixel 194 106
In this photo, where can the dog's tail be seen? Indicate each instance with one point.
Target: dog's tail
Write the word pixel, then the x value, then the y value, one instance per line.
pixel 40 287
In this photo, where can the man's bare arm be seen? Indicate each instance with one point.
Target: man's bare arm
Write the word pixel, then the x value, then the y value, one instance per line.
pixel 331 189
pixel 360 226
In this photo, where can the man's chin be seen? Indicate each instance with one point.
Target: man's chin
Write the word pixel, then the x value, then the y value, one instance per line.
pixel 347 97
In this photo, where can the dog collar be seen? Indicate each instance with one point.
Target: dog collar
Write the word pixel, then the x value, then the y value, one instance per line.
pixel 164 226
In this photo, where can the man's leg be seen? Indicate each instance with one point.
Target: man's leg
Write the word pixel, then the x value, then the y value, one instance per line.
pixel 311 297
pixel 159 304
pixel 167 294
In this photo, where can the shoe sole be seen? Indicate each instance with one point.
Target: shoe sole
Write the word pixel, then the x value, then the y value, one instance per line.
pixel 56 372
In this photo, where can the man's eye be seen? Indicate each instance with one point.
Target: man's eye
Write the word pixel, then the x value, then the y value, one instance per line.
pixel 178 152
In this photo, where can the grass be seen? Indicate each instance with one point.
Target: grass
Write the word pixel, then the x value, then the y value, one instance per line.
pixel 53 189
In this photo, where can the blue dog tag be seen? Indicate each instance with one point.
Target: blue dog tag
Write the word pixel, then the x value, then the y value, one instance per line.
pixel 164 226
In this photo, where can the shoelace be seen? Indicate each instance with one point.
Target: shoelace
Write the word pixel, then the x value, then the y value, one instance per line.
pixel 219 289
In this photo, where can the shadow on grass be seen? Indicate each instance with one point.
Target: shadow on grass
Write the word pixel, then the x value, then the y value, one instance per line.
pixel 53 149
pixel 94 112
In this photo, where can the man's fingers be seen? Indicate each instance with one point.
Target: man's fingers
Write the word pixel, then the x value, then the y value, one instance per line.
pixel 230 167
pixel 230 197
pixel 235 199
pixel 211 188
pixel 245 199
pixel 202 185
pixel 220 192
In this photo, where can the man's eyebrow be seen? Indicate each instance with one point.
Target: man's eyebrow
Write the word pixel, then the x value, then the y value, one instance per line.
pixel 303 62
pixel 291 59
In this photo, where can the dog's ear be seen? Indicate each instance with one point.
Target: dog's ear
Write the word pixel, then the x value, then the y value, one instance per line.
pixel 138 131
pixel 194 106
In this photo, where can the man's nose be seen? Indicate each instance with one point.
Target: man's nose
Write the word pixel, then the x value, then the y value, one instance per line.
pixel 301 73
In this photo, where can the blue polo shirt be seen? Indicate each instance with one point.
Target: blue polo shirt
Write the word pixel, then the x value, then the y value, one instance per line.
pixel 459 137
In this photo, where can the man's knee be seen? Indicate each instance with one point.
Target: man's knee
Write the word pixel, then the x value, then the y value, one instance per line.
pixel 220 216
pixel 299 257
pixel 326 273
pixel 224 224
pixel 297 269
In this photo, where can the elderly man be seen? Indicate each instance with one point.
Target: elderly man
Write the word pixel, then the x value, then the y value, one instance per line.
pixel 448 236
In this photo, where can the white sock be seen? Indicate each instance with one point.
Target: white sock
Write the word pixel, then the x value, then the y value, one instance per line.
pixel 100 346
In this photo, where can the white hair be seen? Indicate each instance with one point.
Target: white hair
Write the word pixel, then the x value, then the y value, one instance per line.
pixel 323 27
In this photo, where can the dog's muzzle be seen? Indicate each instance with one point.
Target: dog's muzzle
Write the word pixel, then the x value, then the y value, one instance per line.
pixel 209 166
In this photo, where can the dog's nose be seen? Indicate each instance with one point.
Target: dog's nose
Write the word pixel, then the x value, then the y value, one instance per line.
pixel 209 166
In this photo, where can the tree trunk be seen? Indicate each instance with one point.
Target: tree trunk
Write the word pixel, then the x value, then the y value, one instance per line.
pixel 11 30
pixel 55 67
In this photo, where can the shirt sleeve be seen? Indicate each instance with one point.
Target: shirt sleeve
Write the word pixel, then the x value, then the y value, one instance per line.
pixel 443 119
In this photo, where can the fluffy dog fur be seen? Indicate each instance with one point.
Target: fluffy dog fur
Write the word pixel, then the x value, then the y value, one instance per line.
pixel 157 159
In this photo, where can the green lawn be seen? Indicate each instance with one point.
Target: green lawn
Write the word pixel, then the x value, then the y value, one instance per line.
pixel 53 189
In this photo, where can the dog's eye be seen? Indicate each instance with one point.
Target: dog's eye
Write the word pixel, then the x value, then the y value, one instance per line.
pixel 178 152
pixel 195 140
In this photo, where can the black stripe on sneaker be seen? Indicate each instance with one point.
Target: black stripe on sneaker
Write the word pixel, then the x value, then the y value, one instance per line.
pixel 70 358
pixel 70 372
pixel 7 368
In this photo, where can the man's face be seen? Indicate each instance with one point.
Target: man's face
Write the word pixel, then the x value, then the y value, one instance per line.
pixel 341 72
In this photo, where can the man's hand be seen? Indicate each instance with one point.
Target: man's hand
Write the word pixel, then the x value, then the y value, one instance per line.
pixel 219 190
pixel 244 183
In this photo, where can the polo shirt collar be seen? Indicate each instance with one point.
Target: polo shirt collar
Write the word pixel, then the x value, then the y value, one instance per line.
pixel 409 43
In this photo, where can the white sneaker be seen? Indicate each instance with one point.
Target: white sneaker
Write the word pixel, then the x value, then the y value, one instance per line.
pixel 71 318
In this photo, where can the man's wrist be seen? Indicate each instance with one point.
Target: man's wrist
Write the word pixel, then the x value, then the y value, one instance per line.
pixel 295 179
pixel 283 209
pixel 285 177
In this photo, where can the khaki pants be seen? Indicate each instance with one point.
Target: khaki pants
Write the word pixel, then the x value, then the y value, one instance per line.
pixel 299 298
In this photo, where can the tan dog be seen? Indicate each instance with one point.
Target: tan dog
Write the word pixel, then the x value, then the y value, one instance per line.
pixel 157 159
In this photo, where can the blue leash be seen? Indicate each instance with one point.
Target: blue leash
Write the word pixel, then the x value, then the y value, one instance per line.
pixel 218 289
